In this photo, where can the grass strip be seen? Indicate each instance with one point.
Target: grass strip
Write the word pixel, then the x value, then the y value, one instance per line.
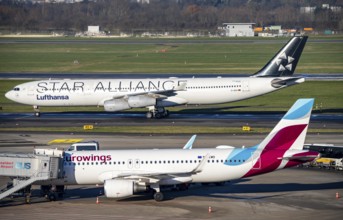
pixel 158 130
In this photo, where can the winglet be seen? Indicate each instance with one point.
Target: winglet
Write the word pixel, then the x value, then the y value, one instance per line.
pixel 201 165
pixel 189 144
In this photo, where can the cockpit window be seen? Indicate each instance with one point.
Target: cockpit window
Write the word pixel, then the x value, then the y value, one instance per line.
pixel 16 89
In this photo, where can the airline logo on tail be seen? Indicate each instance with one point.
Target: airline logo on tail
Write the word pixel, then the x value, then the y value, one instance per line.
pixel 286 60
pixel 287 137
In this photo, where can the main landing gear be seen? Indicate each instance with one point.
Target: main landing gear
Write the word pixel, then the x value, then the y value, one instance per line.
pixel 158 195
pixel 157 112
pixel 36 109
pixel 52 193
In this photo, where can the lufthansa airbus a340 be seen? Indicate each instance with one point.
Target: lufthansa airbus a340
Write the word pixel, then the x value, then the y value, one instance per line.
pixel 157 94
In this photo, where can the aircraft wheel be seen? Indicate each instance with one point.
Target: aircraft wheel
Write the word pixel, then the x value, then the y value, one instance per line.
pixel 52 197
pixel 158 196
pixel 158 115
pixel 149 115
pixel 28 199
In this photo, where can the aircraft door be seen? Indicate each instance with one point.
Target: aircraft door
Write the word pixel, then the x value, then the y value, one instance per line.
pixel 133 164
pixel 137 163
pixel 31 91
pixel 245 86
pixel 130 164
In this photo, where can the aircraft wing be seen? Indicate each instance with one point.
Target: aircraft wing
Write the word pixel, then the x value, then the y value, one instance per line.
pixel 154 177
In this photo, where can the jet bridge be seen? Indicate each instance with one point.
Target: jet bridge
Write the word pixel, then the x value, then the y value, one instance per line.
pixel 26 169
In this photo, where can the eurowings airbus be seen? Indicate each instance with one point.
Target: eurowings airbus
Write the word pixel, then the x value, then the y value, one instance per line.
pixel 126 172
pixel 157 94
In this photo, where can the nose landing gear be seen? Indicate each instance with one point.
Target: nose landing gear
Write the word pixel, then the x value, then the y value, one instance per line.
pixel 36 109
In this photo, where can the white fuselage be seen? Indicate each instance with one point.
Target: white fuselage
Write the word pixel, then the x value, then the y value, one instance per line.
pixel 94 92
pixel 94 167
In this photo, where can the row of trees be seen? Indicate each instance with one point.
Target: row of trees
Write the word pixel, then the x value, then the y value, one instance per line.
pixel 128 15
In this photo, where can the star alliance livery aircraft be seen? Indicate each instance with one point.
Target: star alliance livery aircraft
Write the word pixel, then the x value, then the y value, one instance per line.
pixel 156 94
pixel 126 172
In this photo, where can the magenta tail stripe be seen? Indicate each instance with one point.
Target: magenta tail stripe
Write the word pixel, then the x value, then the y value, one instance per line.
pixel 276 148
pixel 285 137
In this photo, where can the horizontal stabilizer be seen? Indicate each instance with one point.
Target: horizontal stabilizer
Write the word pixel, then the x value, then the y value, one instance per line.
pixel 279 83
pixel 300 158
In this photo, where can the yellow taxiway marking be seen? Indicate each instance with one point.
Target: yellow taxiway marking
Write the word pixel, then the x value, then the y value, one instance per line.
pixel 64 141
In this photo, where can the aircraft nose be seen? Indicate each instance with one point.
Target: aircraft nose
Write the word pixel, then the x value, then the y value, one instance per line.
pixel 9 95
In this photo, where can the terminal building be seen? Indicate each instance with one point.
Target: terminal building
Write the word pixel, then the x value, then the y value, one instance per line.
pixel 237 29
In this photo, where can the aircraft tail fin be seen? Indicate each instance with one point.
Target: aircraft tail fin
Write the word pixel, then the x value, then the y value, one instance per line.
pixel 283 147
pixel 290 132
pixel 285 61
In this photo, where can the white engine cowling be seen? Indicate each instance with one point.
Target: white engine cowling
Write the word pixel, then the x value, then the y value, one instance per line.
pixel 116 105
pixel 141 101
pixel 132 102
pixel 121 188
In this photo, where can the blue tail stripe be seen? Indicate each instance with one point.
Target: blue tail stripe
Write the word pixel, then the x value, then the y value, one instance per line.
pixel 240 155
pixel 300 109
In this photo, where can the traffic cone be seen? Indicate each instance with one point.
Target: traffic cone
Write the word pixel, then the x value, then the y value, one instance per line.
pixel 209 209
pixel 97 200
pixel 337 195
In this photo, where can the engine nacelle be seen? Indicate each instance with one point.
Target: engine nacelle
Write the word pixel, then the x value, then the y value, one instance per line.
pixel 122 188
pixel 141 101
pixel 116 105
pixel 132 102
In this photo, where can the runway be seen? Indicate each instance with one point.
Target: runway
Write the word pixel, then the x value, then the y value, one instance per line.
pixel 67 119
pixel 116 41
pixel 297 193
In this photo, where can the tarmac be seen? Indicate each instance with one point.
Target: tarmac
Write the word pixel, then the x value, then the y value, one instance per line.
pixel 298 193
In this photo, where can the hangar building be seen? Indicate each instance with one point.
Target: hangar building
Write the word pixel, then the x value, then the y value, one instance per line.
pixel 237 29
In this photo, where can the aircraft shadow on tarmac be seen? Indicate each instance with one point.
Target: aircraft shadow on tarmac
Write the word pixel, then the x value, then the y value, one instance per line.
pixel 232 190
pixel 229 190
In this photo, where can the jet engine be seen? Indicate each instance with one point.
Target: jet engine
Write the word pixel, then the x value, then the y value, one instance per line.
pixel 132 102
pixel 122 188
pixel 116 105
pixel 141 101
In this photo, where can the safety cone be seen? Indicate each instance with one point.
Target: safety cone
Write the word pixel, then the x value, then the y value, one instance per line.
pixel 337 195
pixel 209 209
pixel 97 200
